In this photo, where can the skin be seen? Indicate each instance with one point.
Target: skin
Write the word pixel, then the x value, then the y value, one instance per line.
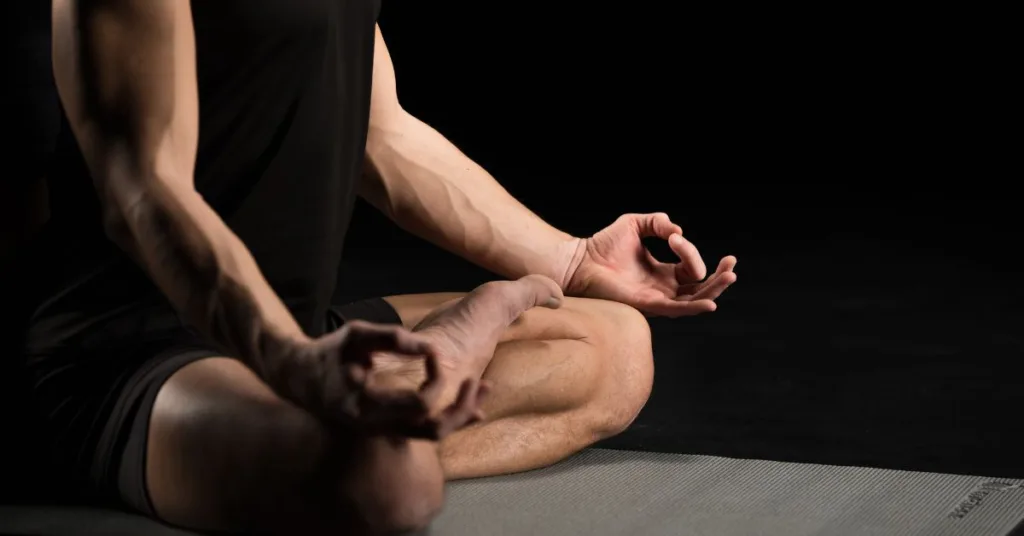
pixel 562 379
pixel 428 187
pixel 277 467
pixel 125 73
pixel 357 430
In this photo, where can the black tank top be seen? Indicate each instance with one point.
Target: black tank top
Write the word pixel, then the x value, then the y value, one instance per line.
pixel 284 96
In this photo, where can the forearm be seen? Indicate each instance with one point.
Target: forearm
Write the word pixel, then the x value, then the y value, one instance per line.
pixel 430 188
pixel 202 267
pixel 125 74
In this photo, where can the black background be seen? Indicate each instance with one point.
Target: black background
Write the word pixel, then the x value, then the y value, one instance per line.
pixel 744 125
pixel 852 161
pixel 856 162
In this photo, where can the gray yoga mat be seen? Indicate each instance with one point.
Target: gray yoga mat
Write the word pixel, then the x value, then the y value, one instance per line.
pixel 609 492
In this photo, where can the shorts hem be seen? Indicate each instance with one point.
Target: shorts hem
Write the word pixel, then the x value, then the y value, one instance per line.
pixel 122 454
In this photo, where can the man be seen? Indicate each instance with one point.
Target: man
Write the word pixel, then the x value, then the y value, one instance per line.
pixel 197 372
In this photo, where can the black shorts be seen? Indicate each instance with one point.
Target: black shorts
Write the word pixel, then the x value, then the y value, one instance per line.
pixel 97 425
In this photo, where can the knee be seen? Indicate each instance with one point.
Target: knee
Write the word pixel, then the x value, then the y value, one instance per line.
pixel 394 489
pixel 231 456
pixel 413 512
pixel 376 486
pixel 408 510
pixel 623 338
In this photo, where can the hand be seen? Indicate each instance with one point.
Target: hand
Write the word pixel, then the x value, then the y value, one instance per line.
pixel 334 378
pixel 616 266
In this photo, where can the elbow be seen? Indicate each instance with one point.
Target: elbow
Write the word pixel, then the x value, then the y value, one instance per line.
pixel 375 188
pixel 122 214
pixel 127 207
pixel 129 193
pixel 115 224
pixel 121 200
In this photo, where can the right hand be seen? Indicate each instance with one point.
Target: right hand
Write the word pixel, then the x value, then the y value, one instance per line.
pixel 333 378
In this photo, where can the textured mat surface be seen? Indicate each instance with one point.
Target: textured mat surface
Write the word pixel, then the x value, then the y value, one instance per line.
pixel 607 492
pixel 620 492
pixel 65 521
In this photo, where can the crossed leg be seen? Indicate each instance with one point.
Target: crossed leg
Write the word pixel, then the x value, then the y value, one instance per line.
pixel 562 380
pixel 225 452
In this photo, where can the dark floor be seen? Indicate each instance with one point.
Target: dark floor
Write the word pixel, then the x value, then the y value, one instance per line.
pixel 850 350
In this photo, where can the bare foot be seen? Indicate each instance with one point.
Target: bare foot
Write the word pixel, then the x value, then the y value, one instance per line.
pixel 466 332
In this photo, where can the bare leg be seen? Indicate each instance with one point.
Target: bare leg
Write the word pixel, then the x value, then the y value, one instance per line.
pixel 226 453
pixel 562 380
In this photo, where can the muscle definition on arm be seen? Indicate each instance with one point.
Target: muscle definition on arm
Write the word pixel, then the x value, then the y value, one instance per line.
pixel 428 186
pixel 125 71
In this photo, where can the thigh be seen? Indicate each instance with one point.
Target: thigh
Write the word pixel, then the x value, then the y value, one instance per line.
pixel 226 453
pixel 559 357
pixel 223 448
pixel 581 372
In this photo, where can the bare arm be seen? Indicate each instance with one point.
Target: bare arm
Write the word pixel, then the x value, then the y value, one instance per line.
pixel 428 187
pixel 125 72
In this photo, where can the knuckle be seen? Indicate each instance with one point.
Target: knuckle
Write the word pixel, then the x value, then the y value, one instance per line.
pixel 392 334
pixel 358 324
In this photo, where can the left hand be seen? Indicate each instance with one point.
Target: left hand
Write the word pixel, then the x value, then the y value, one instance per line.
pixel 616 266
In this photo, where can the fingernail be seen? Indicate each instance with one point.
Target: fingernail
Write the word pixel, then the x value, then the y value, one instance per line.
pixel 553 302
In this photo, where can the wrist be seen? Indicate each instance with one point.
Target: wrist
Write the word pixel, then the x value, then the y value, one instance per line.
pixel 569 258
pixel 289 364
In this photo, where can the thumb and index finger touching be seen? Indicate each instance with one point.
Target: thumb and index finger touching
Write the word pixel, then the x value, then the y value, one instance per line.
pixel 690 267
